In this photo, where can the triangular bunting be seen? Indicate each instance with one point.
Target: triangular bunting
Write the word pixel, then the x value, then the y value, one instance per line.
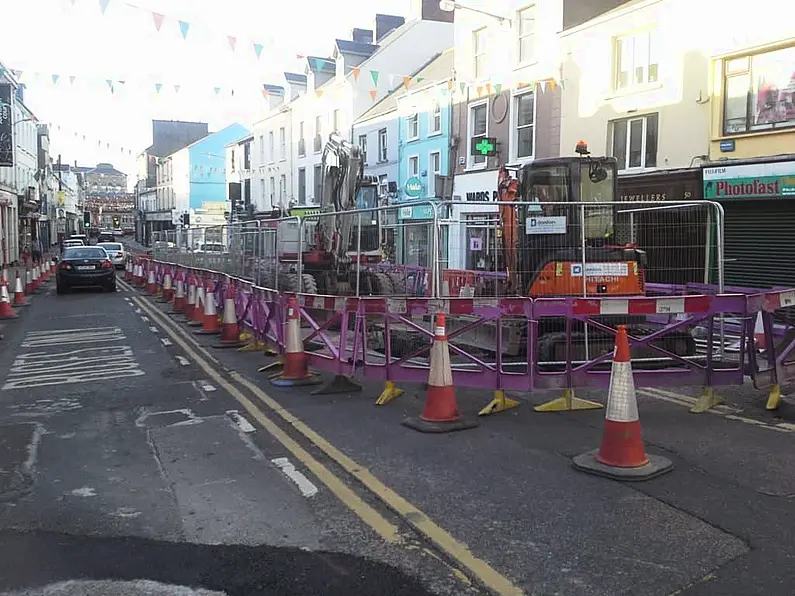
pixel 72 80
pixel 110 84
pixel 450 85
pixel 183 27
pixel 480 90
pixel 300 56
pixel 158 20
pixel 176 88
pixel 158 87
pixel 265 93
pixel 232 41
pixel 258 49
pixel 374 75
pixel 420 79
pixel 463 87
pixel 488 88
pixel 373 93
pixel 103 5
pixel 356 71
pixel 406 82
pixel 552 85
pixel 498 88
pixel 319 92
pixel 217 90
pixel 55 78
pixel 17 73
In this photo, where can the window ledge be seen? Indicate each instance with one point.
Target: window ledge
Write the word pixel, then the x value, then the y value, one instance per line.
pixel 474 168
pixel 522 65
pixel 754 133
pixel 643 170
pixel 412 139
pixel 636 90
pixel 435 134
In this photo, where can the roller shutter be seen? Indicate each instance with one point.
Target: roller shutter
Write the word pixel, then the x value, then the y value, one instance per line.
pixel 759 243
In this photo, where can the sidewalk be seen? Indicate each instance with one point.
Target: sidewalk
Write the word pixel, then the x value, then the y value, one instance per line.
pixel 10 274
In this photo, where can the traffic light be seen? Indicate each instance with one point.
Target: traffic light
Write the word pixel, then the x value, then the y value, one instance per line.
pixel 87 219
pixel 184 219
pixel 115 221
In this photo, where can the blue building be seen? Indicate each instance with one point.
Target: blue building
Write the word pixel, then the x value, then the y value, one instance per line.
pixel 424 125
pixel 208 168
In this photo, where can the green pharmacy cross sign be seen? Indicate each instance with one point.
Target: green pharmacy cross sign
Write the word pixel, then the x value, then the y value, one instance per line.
pixel 484 146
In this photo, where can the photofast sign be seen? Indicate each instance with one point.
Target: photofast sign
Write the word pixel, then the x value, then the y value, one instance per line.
pixel 6 126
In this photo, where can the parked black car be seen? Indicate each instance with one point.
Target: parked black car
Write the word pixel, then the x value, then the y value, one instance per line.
pixel 85 266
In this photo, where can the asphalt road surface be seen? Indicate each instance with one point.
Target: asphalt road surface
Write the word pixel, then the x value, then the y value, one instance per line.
pixel 136 458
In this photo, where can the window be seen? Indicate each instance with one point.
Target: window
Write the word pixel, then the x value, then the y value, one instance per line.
pixel 414 166
pixel 479 47
pixel 302 186
pixel 262 191
pixel 635 142
pixel 759 92
pixel 318 134
pixel 637 60
pixel 247 156
pixel 478 128
pixel 233 160
pixel 335 120
pixel 524 106
pixel 382 152
pixel 435 167
pixel 383 185
pixel 413 123
pixel 318 183
pixel 363 147
pixel 273 191
pixel 271 154
pixel 283 189
pixel 261 149
pixel 527 30
pixel 282 143
pixel 481 242
pixel 301 140
pixel 436 118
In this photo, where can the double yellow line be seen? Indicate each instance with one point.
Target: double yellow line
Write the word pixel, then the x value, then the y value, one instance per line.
pixel 456 552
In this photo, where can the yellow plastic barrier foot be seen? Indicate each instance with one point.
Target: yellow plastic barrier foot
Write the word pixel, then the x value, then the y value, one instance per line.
pixel 568 403
pixel 709 399
pixel 500 403
pixel 390 392
pixel 246 336
pixel 277 364
pixel 270 351
pixel 774 399
pixel 253 346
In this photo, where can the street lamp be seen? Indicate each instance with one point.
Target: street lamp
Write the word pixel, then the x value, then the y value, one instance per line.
pixel 451 5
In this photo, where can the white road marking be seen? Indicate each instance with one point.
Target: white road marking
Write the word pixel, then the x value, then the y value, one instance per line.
pixel 243 424
pixel 165 341
pixel 182 360
pixel 154 329
pixel 128 300
pixel 206 386
pixel 138 311
pixel 304 485
pixel 49 366
pixel 86 491
pixel 144 319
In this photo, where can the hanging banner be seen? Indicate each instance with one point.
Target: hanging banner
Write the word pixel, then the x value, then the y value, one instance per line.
pixel 6 126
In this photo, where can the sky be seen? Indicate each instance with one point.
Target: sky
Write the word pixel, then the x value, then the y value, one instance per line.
pixel 108 67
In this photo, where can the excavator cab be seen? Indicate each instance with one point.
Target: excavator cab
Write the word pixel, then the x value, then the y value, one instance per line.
pixel 566 243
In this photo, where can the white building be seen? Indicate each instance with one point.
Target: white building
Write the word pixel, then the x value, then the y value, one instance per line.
pixel 239 173
pixel 376 134
pixel 271 179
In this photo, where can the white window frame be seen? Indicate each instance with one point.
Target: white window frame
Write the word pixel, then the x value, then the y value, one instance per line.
pixel 282 143
pixel 643 167
pixel 514 132
pixel 261 149
pixel 523 35
pixel 271 150
pixel 415 158
pixel 301 138
pixel 363 147
pixel 413 121
pixel 318 133
pixel 652 36
pixel 471 165
pixel 262 191
pixel 433 172
pixel 383 185
pixel 283 188
pixel 273 190
pixel 383 148
pixel 436 113
pixel 335 120
pixel 479 54
pixel 301 200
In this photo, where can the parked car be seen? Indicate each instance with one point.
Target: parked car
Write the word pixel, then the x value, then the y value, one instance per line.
pixel 85 266
pixel 118 232
pixel 116 252
pixel 105 236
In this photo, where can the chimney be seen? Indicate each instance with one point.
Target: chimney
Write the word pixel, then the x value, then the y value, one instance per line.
pixel 386 23
pixel 362 35
pixel 428 10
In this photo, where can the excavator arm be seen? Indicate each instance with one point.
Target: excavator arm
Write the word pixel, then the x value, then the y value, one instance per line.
pixel 508 189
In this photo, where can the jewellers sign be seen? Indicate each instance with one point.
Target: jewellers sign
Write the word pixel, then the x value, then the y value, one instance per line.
pixel 6 126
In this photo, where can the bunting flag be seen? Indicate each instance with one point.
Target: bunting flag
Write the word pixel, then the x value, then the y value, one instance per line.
pixel 158 20
pixel 158 87
pixel 110 84
pixel 176 88
pixel 183 27
pixel 103 5
pixel 258 47
pixel 498 88
pixel 406 82
pixel 463 87
pixel 488 88
pixel 232 41
pixel 480 90
pixel 552 85
pixel 450 85
pixel 356 71
pixel 374 75
pixel 55 79
pixel 319 93
pixel 373 93
pixel 265 91
pixel 217 90
pixel 72 80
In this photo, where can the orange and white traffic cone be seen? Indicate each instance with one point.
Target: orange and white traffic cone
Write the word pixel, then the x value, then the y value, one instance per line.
pixel 36 281
pixel 178 295
pixel 190 299
pixel 760 340
pixel 44 275
pixel 230 332
pixel 167 293
pixel 210 318
pixel 197 318
pixel 295 368
pixel 151 285
pixel 441 409
pixel 28 282
pixel 19 293
pixel 6 312
pixel 622 456
pixel 127 271
pixel 52 268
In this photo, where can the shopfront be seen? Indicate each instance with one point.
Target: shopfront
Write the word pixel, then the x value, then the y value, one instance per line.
pixel 758 197
pixel 676 239
pixel 474 222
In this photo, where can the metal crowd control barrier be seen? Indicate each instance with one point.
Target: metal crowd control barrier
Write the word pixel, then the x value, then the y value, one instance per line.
pixel 685 327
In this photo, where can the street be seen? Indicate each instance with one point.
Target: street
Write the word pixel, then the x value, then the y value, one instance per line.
pixel 134 451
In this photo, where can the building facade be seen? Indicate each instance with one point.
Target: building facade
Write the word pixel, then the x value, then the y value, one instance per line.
pixel 272 179
pixel 238 177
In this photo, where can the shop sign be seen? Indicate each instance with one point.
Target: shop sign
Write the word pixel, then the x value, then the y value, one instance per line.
pixel 768 180
pixel 416 212
pixel 477 187
pixel 546 225
pixel 6 126
pixel 413 187
pixel 304 212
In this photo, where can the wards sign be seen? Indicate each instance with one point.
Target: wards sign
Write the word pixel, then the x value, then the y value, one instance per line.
pixel 484 195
